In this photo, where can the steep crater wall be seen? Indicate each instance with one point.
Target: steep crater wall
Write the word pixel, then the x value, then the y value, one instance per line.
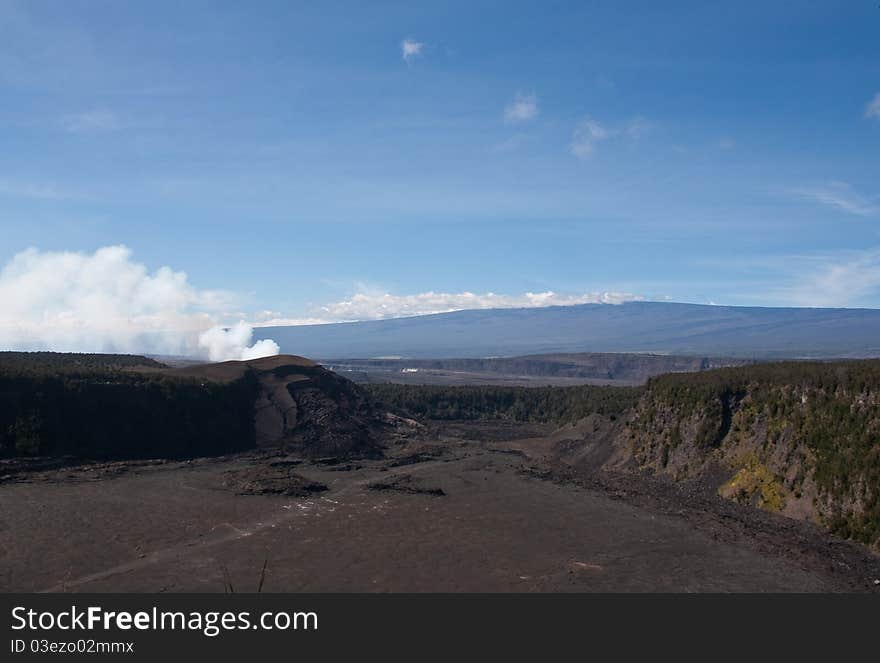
pixel 112 406
pixel 315 412
pixel 801 439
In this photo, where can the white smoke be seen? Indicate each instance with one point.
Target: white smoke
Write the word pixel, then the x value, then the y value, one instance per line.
pixel 106 302
pixel 234 343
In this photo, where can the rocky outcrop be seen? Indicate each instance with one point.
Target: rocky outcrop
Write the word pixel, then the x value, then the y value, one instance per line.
pixel 303 407
pixel 799 439
pixel 120 407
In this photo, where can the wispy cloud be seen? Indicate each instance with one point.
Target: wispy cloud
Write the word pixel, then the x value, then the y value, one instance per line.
pixel 523 108
pixel 269 318
pixel 38 191
pixel 384 305
pixel 92 121
pixel 637 127
pixel 847 279
pixel 511 144
pixel 873 107
pixel 841 196
pixel 586 136
pixel 410 49
pixel 590 132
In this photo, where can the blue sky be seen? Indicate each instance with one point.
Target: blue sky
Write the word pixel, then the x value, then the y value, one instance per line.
pixel 724 152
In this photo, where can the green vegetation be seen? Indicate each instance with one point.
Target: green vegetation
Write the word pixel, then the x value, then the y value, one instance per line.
pixel 831 408
pixel 46 363
pixel 557 405
pixel 117 406
pixel 798 420
pixel 689 390
pixel 781 428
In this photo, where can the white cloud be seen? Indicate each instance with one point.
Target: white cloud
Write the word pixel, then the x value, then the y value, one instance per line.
pixel 637 127
pixel 38 191
pixel 511 144
pixel 841 196
pixel 589 133
pixel 295 322
pixel 849 279
pixel 92 121
pixel 410 48
pixel 381 306
pixel 106 302
pixel 586 135
pixel 873 107
pixel 523 108
pixel 280 320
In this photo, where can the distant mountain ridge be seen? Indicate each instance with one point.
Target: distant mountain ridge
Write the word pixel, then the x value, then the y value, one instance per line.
pixel 562 369
pixel 638 327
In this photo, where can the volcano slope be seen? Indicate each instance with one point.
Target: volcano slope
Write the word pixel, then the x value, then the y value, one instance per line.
pixel 121 407
pixel 301 406
pixel 424 506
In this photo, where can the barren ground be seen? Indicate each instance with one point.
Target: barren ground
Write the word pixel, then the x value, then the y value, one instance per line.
pixel 483 508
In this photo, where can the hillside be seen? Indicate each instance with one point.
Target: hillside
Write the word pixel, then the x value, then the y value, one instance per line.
pixel 553 405
pixel 108 406
pixel 797 438
pixel 71 362
pixel 643 327
pixel 301 405
pixel 116 406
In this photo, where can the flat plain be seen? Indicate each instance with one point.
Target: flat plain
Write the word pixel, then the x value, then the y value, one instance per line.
pixel 471 507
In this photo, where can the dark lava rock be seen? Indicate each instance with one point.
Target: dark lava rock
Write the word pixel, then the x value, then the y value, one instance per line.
pixel 274 479
pixel 406 484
